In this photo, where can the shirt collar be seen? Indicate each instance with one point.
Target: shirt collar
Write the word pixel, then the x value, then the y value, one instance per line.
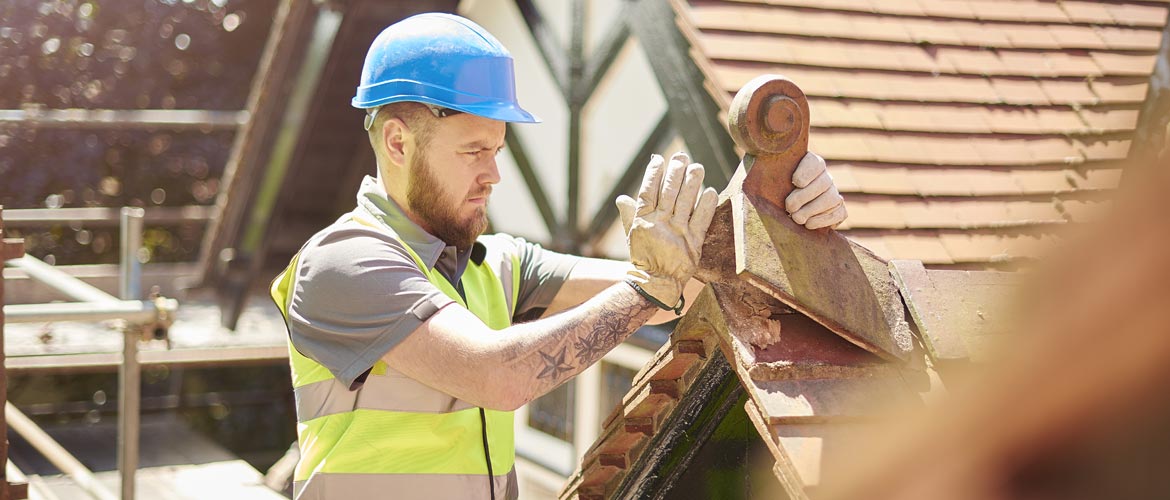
pixel 435 253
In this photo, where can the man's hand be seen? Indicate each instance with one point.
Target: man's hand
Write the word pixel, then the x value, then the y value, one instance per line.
pixel 815 203
pixel 666 226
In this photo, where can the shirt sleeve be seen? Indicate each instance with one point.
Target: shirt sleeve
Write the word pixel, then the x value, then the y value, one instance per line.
pixel 357 294
pixel 542 272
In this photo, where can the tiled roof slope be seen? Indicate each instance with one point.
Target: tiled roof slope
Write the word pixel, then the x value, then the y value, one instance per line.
pixel 961 132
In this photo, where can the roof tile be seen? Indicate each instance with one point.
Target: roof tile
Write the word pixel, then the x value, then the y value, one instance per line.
pixel 1065 91
pixel 1036 211
pixel 948 9
pixel 882 179
pixel 836 145
pixel 921 245
pixel 934 33
pixel 1008 152
pixel 1050 150
pixel 979 213
pixel 888 148
pixel 768 19
pixel 1070 63
pixel 996 247
pixel 874 213
pixel 869 56
pixel 969 247
pixel 1111 120
pixel 1018 10
pixel 1042 181
pixel 1106 149
pixel 856 5
pixel 837 113
pixel 1112 63
pixel 973 62
pixel 904 117
pixel 1096 178
pixel 921 214
pixel 927 181
pixel 1118 38
pixel 1077 37
pixel 1031 35
pixel 924 59
pixel 1079 11
pixel 1083 210
pixel 1019 91
pixel 871 240
pixel 897 7
pixel 1012 120
pixel 940 182
pixel 974 35
pixel 943 151
pixel 880 28
pixel 990 182
pixel 955 119
pixel 1137 15
pixel 1059 120
pixel 1120 91
pixel 842 174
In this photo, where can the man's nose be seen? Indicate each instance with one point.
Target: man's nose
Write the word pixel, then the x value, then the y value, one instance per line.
pixel 491 172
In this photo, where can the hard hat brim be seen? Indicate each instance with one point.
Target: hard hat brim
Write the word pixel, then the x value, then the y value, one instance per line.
pixel 505 112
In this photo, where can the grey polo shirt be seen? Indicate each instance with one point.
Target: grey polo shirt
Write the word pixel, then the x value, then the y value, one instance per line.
pixel 358 292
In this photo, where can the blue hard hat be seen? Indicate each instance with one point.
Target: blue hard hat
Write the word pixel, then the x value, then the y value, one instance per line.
pixel 444 60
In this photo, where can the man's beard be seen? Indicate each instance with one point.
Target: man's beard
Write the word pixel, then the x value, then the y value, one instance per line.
pixel 425 198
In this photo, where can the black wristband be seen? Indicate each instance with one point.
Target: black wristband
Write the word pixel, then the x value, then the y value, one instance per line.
pixel 682 301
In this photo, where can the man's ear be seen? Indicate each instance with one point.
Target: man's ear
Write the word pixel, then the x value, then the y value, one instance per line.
pixel 394 138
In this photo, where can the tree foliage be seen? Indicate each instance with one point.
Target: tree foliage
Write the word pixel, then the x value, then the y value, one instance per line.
pixel 121 54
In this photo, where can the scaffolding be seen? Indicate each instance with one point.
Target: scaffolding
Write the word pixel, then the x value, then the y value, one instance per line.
pixel 138 319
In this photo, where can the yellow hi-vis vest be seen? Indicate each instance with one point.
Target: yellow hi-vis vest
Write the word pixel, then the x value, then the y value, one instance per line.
pixel 395 437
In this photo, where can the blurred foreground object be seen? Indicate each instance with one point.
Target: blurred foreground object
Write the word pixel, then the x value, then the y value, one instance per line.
pixel 1078 408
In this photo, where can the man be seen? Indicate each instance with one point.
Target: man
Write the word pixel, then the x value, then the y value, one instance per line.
pixel 405 360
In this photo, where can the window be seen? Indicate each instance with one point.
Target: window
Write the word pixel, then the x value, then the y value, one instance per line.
pixel 552 413
pixel 615 383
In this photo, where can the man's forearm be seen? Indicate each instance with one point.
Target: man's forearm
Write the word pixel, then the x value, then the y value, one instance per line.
pixel 544 353
pixel 590 276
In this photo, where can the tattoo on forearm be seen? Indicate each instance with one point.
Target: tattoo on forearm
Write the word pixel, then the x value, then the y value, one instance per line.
pixel 554 365
pixel 619 316
pixel 606 333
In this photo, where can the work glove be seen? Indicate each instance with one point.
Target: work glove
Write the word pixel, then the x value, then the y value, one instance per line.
pixel 815 203
pixel 666 226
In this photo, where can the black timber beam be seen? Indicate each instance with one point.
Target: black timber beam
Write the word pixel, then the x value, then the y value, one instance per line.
pixel 570 231
pixel 670 451
pixel 531 179
pixel 546 43
pixel 603 57
pixel 630 180
pixel 692 109
pixel 287 37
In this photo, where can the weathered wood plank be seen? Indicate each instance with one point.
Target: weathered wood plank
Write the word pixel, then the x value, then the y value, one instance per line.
pixel 956 311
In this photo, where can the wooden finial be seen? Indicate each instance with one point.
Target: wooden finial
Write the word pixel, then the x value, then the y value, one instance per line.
pixel 769 120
